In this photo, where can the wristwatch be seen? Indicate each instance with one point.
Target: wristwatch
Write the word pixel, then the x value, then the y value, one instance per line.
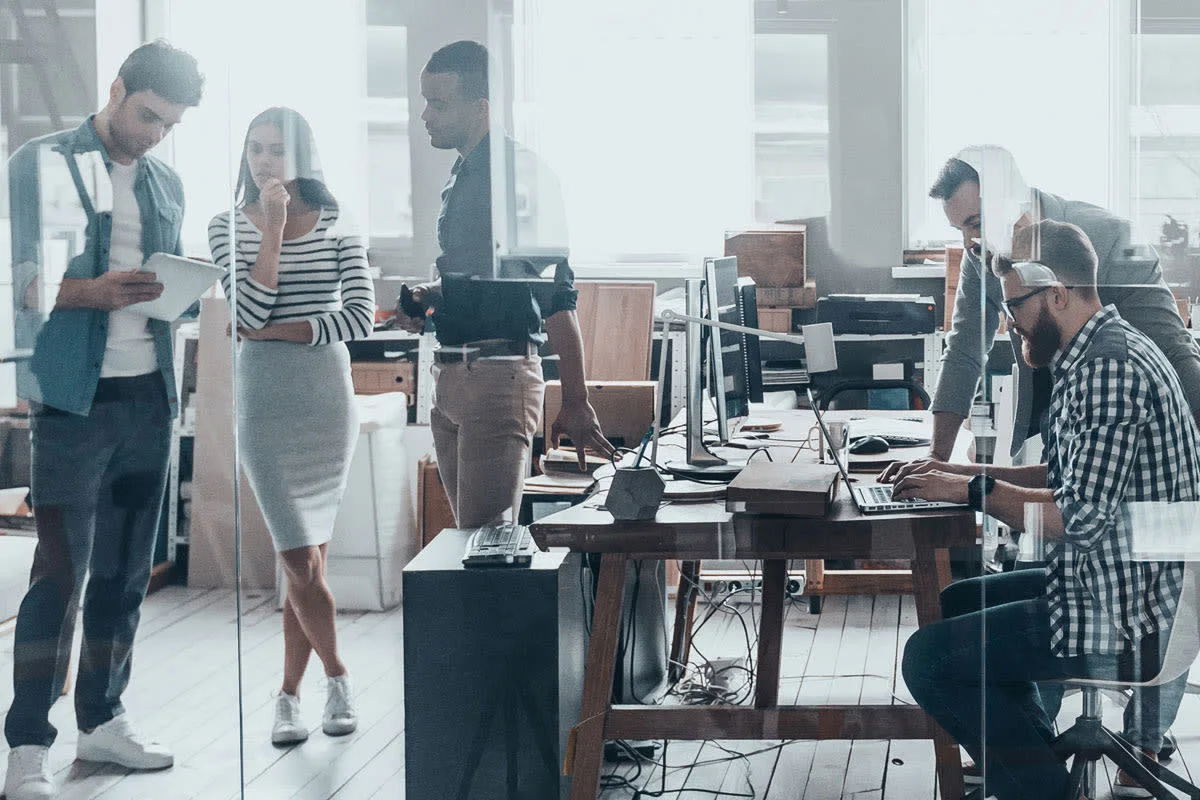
pixel 977 487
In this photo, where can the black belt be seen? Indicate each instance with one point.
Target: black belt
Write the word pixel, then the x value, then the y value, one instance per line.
pixel 487 348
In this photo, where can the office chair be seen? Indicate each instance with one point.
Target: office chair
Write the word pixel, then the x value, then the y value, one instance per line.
pixel 918 398
pixel 1087 741
pixel 915 390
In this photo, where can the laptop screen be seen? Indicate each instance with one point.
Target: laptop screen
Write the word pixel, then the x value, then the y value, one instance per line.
pixel 833 450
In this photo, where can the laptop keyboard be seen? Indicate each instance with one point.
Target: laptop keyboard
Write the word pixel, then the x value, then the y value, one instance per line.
pixel 880 494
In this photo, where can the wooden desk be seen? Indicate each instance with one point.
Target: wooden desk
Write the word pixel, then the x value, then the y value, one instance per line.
pixel 699 531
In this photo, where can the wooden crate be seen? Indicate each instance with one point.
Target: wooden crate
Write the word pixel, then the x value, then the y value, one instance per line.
pixel 378 377
pixel 778 320
pixel 774 256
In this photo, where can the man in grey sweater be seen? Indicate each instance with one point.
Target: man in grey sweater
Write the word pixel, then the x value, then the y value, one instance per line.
pixel 1128 277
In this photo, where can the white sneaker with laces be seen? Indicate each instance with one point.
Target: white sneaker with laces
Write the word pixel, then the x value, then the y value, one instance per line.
pixel 339 718
pixel 288 728
pixel 115 742
pixel 28 775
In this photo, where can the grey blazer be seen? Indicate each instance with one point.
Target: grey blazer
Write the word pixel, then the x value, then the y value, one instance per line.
pixel 1127 277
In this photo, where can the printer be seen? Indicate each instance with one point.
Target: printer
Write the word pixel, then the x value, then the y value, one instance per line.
pixel 878 313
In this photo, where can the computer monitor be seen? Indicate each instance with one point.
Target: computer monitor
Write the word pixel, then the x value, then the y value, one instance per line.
pixel 728 369
pixel 747 295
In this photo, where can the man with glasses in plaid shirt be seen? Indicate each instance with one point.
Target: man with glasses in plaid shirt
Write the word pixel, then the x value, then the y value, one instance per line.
pixel 1119 430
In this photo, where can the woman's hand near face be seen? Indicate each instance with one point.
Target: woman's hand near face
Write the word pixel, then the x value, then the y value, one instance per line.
pixel 273 198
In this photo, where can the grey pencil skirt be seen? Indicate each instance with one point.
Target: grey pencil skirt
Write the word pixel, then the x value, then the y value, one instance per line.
pixel 297 426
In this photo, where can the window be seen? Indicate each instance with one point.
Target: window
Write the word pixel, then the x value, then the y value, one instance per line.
pixel 352 88
pixel 791 126
pixel 1165 126
pixel 649 131
pixel 976 76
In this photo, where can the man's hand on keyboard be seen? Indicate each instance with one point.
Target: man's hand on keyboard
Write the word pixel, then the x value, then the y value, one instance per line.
pixel 932 484
pixel 898 470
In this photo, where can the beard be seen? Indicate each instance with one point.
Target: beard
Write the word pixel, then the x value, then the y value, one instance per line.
pixel 1041 342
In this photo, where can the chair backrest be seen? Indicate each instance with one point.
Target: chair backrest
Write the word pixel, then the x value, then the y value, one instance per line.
pixel 916 392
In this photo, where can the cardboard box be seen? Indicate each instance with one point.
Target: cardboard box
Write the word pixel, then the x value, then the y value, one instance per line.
pixel 379 377
pixel 625 408
pixel 433 506
pixel 778 320
pixel 774 256
pixel 788 297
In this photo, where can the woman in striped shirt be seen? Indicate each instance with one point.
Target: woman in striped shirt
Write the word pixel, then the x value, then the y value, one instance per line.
pixel 302 289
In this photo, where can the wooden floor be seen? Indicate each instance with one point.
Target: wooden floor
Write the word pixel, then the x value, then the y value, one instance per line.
pixel 184 692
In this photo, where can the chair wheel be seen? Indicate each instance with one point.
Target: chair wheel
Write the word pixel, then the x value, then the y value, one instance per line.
pixel 814 604
pixel 1169 747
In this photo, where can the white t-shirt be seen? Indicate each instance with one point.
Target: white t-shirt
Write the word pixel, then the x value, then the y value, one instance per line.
pixel 130 347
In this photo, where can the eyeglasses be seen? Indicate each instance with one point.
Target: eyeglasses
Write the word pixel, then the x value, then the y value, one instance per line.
pixel 1010 306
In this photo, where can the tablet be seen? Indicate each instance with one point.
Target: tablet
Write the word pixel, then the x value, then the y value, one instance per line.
pixel 183 280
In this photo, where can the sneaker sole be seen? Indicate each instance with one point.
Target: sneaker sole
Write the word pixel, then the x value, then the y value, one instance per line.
pixel 289 738
pixel 339 728
pixel 110 758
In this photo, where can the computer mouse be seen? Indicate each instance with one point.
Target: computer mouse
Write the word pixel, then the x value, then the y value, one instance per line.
pixel 869 446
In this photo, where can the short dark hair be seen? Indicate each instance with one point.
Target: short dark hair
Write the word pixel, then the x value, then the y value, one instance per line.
pixel 165 70
pixel 466 59
pixel 1061 247
pixel 954 173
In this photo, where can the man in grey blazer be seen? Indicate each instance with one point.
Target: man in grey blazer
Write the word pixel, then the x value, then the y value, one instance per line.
pixel 1128 277
pixel 987 211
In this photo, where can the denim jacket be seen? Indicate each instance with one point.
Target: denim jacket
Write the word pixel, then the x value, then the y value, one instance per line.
pixel 69 344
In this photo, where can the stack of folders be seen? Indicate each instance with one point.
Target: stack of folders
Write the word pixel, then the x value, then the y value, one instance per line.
pixel 798 490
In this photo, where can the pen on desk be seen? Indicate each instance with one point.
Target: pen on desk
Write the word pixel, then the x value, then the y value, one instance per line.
pixel 642 449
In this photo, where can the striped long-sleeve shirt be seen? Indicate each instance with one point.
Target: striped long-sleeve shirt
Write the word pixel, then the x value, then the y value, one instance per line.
pixel 323 279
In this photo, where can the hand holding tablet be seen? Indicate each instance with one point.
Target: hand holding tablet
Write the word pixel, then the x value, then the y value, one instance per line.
pixel 183 281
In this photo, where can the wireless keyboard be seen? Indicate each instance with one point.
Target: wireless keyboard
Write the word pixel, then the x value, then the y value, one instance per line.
pixel 504 545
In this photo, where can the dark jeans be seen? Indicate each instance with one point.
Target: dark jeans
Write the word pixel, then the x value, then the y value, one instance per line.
pixel 977 672
pixel 97 488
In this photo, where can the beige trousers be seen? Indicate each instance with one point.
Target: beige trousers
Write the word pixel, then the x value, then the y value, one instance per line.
pixel 484 417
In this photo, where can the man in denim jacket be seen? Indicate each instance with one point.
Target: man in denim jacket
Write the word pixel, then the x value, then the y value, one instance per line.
pixel 102 396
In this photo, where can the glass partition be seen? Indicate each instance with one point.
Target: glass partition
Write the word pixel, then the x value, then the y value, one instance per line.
pixel 448 238
pixel 114 460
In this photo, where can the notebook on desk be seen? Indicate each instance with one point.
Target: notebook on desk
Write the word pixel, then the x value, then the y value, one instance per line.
pixel 874 498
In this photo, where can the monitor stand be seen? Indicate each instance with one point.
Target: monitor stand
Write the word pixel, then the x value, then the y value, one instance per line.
pixel 721 472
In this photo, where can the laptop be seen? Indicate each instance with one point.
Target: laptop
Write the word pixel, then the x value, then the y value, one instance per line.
pixel 874 498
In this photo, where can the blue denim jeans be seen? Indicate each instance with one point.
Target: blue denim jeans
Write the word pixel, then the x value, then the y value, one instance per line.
pixel 977 673
pixel 1150 712
pixel 97 488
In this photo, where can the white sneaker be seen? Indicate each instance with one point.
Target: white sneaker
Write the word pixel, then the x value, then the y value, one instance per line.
pixel 115 742
pixel 339 718
pixel 28 775
pixel 289 728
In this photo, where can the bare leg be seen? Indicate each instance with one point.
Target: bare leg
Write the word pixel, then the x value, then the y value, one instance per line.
pixel 310 598
pixel 296 649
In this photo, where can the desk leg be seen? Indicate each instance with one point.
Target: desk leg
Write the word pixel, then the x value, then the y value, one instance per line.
pixel 598 677
pixel 685 611
pixel 770 636
pixel 931 574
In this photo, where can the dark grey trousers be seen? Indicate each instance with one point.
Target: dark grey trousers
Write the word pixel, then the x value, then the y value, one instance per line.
pixel 97 488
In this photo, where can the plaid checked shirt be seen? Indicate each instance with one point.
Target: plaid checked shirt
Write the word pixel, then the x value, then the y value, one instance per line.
pixel 1120 430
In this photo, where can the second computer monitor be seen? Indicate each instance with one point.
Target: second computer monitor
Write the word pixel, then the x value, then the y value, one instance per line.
pixel 729 375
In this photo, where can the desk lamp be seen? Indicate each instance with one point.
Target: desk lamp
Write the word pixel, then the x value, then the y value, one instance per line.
pixel 701 462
